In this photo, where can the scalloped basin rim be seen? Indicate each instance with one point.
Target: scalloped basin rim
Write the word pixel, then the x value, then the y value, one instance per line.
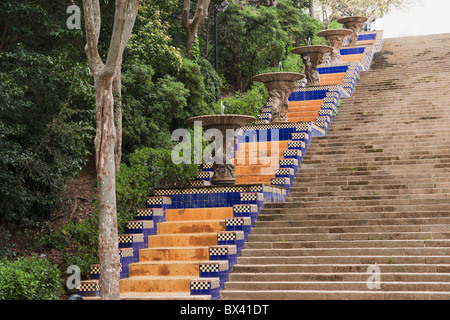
pixel 312 49
pixel 331 32
pixel 278 76
pixel 223 119
pixel 352 19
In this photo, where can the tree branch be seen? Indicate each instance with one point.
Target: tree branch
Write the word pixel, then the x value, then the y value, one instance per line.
pixel 116 38
pixel 92 26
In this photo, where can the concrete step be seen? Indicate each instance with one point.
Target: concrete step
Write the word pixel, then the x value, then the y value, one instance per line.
pixel 306 252
pixel 370 259
pixel 261 223
pixel 276 215
pixel 420 243
pixel 338 285
pixel 348 269
pixel 331 295
pixel 351 229
pixel 337 277
pixel 348 236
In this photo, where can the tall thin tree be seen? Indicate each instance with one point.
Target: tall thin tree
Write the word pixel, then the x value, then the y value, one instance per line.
pixel 191 24
pixel 107 85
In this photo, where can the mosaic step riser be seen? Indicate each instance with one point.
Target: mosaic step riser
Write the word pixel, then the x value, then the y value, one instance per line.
pixel 209 197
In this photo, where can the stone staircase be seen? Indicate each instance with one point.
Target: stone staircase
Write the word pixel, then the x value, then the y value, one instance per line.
pixel 373 194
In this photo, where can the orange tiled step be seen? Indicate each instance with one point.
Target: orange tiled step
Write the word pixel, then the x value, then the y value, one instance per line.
pixel 165 268
pixel 294 109
pixel 332 78
pixel 155 284
pixel 303 118
pixel 208 226
pixel 365 42
pixel 249 179
pixel 305 103
pixel 295 115
pixel 174 254
pixel 252 146
pixel 246 154
pixel 182 240
pixel 351 57
pixel 257 164
pixel 254 169
pixel 198 214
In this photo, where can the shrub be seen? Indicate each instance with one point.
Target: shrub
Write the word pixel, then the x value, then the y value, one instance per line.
pixel 29 279
pixel 249 103
pixel 148 169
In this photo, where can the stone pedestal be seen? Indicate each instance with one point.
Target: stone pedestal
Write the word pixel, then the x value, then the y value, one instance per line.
pixel 355 24
pixel 224 169
pixel 335 38
pixel 312 56
pixel 280 86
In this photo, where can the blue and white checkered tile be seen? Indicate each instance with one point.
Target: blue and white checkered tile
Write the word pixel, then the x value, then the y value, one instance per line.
pixel 246 210
pixel 126 257
pixel 134 241
pixel 206 286
pixel 146 227
pixel 94 272
pixel 235 238
pixel 215 269
pixel 239 224
pixel 158 202
pixel 154 214
pixel 283 182
pixel 88 288
pixel 224 252
pixel 290 163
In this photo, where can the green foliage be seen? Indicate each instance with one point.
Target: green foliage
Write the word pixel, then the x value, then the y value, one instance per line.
pixel 249 103
pixel 29 279
pixel 45 128
pixel 148 169
pixel 150 108
pixel 81 243
pixel 195 51
pixel 150 42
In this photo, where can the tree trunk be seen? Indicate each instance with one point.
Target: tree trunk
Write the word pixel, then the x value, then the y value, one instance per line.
pixel 237 76
pixel 312 11
pixel 117 91
pixel 191 25
pixel 105 141
pixel 108 138
pixel 191 35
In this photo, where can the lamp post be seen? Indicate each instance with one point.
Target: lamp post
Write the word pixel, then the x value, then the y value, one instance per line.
pixel 221 8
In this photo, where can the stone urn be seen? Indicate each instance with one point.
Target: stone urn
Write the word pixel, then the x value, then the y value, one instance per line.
pixel 355 24
pixel 335 38
pixel 280 86
pixel 223 163
pixel 312 56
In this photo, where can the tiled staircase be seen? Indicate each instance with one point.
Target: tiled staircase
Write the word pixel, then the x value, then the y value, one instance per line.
pixel 368 214
pixel 186 241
